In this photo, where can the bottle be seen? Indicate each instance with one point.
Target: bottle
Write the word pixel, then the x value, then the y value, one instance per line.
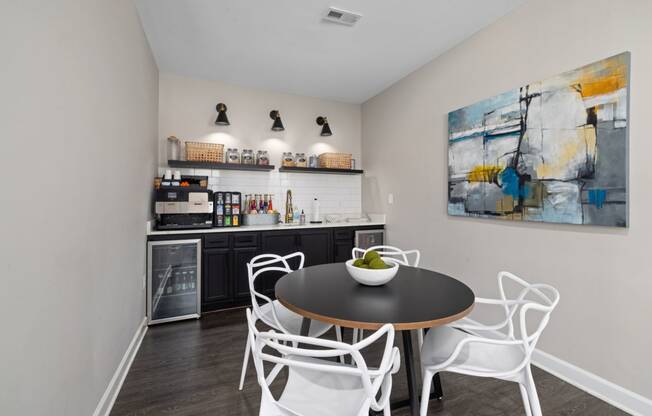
pixel 177 282
pixel 265 204
pixel 302 218
pixel 261 206
pixel 297 214
pixel 270 208
pixel 252 204
pixel 289 216
pixel 184 281
pixel 192 280
pixel 169 289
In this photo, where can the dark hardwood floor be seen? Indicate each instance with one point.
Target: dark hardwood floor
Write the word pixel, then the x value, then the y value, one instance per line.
pixel 192 368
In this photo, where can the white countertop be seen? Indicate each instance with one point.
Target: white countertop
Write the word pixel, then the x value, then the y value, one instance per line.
pixel 277 227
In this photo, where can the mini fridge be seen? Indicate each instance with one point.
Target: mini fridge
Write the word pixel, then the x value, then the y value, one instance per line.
pixel 173 280
pixel 365 239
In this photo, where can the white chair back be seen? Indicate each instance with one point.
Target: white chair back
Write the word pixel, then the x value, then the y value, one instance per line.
pixel 401 256
pixel 532 297
pixel 266 263
pixel 285 345
pixel 519 314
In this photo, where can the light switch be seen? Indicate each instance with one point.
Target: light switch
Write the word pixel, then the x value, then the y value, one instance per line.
pixel 390 199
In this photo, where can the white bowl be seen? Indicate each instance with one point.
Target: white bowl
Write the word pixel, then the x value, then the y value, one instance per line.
pixel 372 277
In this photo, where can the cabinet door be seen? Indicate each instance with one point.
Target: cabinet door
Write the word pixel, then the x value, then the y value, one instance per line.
pixel 241 256
pixel 216 276
pixel 316 246
pixel 342 251
pixel 342 245
pixel 281 243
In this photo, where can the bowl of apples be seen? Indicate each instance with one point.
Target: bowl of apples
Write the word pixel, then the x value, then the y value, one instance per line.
pixel 372 269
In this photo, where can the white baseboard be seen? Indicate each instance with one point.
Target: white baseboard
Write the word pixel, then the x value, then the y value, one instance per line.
pixel 111 393
pixel 611 393
pixel 605 390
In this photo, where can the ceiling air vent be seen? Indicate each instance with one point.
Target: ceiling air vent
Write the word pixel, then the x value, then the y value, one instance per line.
pixel 342 16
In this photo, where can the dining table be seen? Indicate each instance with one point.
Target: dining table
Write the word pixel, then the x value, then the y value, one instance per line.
pixel 414 299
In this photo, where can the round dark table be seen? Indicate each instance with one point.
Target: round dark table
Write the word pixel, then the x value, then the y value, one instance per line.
pixel 415 299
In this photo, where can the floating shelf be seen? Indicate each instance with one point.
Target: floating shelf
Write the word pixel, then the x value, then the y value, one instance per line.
pixel 214 165
pixel 321 170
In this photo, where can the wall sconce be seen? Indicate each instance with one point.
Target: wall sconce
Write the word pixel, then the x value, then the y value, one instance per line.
pixel 278 124
pixel 325 130
pixel 222 120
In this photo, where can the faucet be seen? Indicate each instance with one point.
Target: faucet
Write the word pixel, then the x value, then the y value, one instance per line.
pixel 289 214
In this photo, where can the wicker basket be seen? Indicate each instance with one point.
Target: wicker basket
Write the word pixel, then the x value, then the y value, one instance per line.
pixel 204 152
pixel 335 160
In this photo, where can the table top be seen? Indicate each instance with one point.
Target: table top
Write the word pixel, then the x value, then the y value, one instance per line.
pixel 416 298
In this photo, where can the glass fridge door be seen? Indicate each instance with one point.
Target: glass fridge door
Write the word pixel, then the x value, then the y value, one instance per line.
pixel 173 281
pixel 365 239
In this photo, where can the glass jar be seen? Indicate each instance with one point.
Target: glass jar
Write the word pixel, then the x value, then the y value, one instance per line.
pixel 288 159
pixel 313 161
pixel 248 157
pixel 300 160
pixel 262 157
pixel 232 156
pixel 173 148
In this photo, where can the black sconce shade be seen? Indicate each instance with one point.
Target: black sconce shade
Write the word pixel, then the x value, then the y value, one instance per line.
pixel 222 119
pixel 326 129
pixel 278 124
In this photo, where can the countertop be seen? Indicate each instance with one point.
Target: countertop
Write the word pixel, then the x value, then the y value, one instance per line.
pixel 277 227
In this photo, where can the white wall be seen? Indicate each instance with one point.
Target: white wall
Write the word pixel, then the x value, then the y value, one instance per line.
pixel 187 111
pixel 603 274
pixel 78 112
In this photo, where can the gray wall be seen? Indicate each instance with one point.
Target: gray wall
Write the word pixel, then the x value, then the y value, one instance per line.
pixel 603 274
pixel 78 117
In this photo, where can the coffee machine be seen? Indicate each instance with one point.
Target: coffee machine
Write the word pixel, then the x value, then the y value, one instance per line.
pixel 179 208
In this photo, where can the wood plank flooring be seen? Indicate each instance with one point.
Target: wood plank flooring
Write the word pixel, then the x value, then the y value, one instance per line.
pixel 192 368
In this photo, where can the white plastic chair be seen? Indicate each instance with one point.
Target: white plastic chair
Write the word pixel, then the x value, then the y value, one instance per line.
pixel 402 257
pixel 317 386
pixel 503 350
pixel 271 312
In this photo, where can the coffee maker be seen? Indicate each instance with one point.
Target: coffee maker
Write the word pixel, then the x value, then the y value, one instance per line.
pixel 183 207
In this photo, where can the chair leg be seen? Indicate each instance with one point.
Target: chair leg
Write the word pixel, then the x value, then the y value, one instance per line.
pixel 338 336
pixel 354 339
pixel 526 401
pixel 420 334
pixel 533 397
pixel 245 361
pixel 425 392
pixel 360 335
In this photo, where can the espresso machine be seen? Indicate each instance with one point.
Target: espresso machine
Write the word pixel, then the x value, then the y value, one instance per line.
pixel 183 207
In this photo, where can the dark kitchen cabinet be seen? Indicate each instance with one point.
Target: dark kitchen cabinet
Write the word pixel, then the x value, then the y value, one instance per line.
pixel 279 242
pixel 315 245
pixel 225 281
pixel 216 275
pixel 342 245
pixel 342 251
pixel 242 256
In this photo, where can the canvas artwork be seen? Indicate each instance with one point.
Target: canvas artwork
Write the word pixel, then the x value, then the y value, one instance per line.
pixel 551 151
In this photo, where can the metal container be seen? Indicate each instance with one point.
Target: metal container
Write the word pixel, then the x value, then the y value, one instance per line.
pixel 260 219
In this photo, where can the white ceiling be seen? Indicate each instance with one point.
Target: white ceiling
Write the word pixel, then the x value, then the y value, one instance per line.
pixel 285 46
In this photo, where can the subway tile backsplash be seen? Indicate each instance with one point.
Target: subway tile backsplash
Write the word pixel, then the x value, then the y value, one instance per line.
pixel 337 194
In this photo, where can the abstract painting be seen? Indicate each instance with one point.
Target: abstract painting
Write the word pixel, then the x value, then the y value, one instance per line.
pixel 550 151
